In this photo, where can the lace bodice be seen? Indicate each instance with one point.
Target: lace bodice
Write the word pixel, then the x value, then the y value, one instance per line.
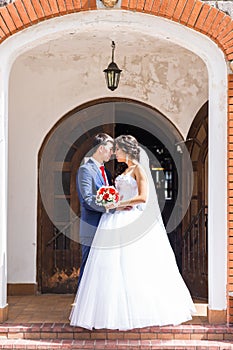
pixel 127 186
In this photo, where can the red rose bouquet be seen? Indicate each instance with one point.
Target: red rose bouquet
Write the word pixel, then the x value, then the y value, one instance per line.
pixel 106 195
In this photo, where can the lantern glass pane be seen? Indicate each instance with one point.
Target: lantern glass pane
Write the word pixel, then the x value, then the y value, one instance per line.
pixel 112 78
pixel 117 79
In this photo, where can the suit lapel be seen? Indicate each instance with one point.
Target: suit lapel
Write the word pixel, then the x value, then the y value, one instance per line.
pixel 97 171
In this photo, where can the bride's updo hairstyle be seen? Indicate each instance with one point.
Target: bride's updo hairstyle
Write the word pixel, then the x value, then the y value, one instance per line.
pixel 129 145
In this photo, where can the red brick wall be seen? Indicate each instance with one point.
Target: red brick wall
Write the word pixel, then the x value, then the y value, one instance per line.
pixel 194 14
pixel 230 196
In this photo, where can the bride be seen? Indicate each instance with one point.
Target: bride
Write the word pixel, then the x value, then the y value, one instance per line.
pixel 131 279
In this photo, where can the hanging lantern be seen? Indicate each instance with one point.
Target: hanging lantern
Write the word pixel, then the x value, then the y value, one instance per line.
pixel 112 73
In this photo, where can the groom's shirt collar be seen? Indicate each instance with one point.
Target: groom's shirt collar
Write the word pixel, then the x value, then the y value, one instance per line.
pixel 96 162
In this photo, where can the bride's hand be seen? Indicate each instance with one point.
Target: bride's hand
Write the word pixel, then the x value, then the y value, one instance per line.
pixel 117 206
pixel 121 206
pixel 127 207
pixel 110 206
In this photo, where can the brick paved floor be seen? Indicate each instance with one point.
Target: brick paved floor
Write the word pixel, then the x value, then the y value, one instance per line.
pixel 40 308
pixel 56 308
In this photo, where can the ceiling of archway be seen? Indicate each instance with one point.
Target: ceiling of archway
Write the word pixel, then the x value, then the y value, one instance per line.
pixel 172 78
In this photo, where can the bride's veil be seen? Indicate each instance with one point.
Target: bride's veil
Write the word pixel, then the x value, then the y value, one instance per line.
pixel 151 207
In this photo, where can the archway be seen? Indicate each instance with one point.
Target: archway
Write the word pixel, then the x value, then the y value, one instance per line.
pixel 218 117
pixel 63 150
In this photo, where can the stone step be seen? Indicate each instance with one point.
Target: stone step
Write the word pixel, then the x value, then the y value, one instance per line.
pixel 56 331
pixel 51 344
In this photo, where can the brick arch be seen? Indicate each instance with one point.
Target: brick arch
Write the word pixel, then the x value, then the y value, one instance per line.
pixel 191 13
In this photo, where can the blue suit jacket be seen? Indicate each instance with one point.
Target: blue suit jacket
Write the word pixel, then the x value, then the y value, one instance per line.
pixel 88 181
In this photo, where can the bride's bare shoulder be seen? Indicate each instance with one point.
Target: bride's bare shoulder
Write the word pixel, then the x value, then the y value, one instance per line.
pixel 139 170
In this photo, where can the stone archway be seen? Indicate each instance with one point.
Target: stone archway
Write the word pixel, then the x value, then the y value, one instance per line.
pixel 201 16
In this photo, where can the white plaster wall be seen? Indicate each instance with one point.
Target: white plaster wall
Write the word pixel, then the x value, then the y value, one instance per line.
pixel 3 181
pixel 156 71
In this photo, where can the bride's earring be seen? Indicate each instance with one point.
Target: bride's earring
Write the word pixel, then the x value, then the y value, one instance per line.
pixel 126 159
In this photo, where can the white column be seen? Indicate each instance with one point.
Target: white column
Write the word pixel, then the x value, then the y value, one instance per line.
pixel 3 192
pixel 217 207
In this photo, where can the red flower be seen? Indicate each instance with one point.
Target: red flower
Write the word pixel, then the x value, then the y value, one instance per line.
pixel 106 196
pixel 101 190
pixel 112 190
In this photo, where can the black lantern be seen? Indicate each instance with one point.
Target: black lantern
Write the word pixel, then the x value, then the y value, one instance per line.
pixel 112 73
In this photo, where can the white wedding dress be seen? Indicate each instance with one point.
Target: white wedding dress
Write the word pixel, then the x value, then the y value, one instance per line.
pixel 131 280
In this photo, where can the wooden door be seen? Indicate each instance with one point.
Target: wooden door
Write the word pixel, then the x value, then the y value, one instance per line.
pixel 195 229
pixel 59 254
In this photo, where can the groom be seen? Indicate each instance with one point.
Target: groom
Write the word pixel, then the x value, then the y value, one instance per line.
pixel 90 177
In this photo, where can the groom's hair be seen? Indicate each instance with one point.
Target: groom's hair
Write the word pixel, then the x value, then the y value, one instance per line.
pixel 100 139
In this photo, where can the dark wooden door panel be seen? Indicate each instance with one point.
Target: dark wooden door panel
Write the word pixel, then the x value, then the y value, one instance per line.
pixel 195 228
pixel 59 253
